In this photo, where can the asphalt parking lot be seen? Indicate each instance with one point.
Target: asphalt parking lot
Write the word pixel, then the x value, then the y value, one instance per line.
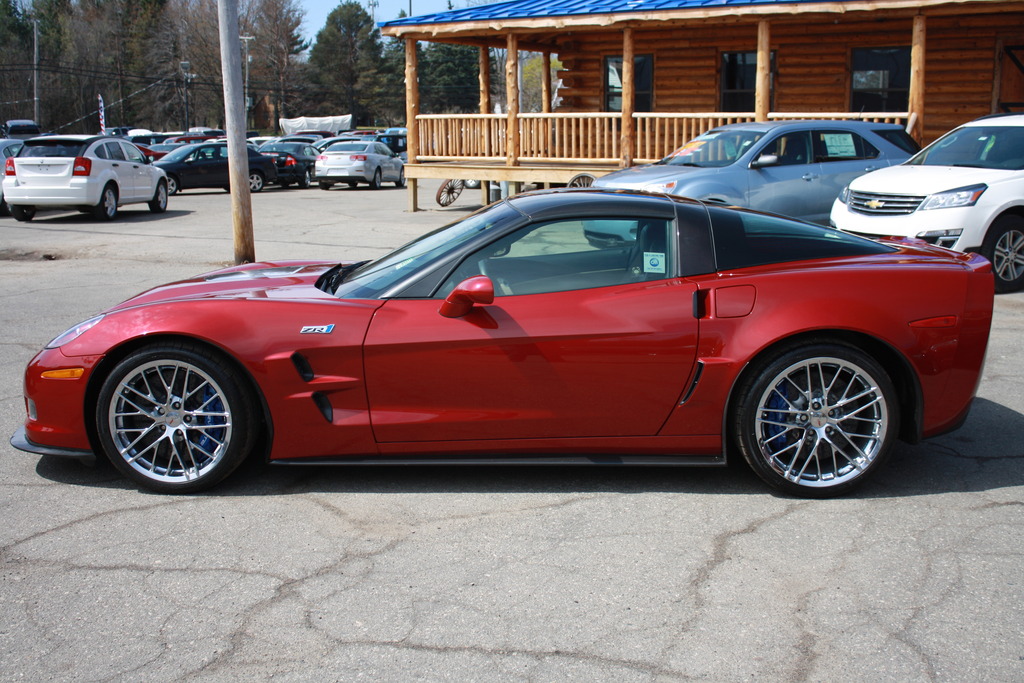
pixel 480 574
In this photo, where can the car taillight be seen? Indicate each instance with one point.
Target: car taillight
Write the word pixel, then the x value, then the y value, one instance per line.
pixel 358 157
pixel 289 160
pixel 83 166
pixel 9 167
pixel 322 157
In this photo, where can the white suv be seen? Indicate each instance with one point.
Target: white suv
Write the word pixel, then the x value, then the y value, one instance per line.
pixel 965 191
pixel 86 172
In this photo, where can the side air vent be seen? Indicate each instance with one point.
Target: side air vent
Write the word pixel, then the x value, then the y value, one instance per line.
pixel 693 385
pixel 303 367
pixel 324 406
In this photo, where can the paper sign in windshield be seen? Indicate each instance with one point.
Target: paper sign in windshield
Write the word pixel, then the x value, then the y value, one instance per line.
pixel 654 262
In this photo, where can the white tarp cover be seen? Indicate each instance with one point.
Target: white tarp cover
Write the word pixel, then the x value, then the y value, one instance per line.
pixel 331 123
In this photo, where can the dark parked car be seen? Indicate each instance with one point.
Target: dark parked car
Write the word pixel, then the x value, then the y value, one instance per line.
pixel 20 129
pixel 295 161
pixel 206 165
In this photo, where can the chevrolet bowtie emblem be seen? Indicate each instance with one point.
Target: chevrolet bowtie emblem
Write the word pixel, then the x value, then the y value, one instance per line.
pixel 874 204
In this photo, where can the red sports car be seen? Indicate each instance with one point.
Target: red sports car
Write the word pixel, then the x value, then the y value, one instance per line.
pixel 581 326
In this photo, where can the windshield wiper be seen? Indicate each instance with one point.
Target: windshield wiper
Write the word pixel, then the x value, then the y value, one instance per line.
pixel 329 281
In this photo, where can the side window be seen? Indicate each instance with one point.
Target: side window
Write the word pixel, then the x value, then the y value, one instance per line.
pixel 101 151
pixel 567 255
pixel 133 154
pixel 114 151
pixel 791 148
pixel 833 145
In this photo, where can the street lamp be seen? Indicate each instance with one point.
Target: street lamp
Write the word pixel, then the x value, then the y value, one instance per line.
pixel 248 59
pixel 186 76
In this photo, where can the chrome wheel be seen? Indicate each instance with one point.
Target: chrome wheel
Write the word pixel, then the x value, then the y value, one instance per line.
pixel 1005 248
pixel 174 419
pixel 256 181
pixel 818 420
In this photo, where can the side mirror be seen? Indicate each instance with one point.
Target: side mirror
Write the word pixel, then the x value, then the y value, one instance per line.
pixel 764 160
pixel 475 290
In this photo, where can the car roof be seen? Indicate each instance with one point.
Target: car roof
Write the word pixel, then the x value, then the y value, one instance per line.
pixel 767 126
pixel 1012 119
pixel 597 202
pixel 73 138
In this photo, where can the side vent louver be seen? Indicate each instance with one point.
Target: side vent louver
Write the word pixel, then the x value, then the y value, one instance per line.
pixel 303 367
pixel 324 405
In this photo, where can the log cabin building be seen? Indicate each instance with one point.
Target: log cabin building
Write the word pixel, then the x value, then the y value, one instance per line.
pixel 641 77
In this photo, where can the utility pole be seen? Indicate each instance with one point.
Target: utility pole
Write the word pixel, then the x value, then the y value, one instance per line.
pixel 248 104
pixel 185 75
pixel 35 71
pixel 238 152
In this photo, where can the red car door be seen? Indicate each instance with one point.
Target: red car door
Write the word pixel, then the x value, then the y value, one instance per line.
pixel 591 361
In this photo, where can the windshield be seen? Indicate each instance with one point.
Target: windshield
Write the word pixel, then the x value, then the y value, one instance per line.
pixel 178 154
pixel 715 148
pixel 994 147
pixel 374 279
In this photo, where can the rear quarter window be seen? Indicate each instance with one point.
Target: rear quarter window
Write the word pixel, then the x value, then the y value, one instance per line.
pixel 744 239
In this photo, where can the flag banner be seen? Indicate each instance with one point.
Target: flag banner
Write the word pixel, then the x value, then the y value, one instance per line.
pixel 103 122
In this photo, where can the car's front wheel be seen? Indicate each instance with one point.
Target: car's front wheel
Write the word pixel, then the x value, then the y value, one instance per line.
pixel 816 420
pixel 158 204
pixel 173 187
pixel 1004 247
pixel 174 418
pixel 106 208
pixel 256 181
pixel 401 178
pixel 22 213
pixel 324 185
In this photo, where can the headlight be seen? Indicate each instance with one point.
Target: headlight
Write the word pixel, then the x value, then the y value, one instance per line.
pixel 73 334
pixel 844 195
pixel 962 196
pixel 667 187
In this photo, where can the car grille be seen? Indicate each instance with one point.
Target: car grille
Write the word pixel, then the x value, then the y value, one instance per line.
pixel 883 204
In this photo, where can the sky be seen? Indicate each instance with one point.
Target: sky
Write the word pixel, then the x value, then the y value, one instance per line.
pixel 317 11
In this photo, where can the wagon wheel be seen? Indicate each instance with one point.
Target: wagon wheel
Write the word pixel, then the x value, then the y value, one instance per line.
pixel 449 191
pixel 581 180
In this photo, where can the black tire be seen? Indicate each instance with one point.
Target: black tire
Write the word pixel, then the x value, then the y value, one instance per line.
pixel 815 420
pixel 285 186
pixel 324 185
pixel 352 185
pixel 158 204
pixel 5 210
pixel 375 183
pixel 256 181
pixel 1004 247
pixel 106 207
pixel 23 213
pixel 401 178
pixel 306 180
pixel 175 418
pixel 173 186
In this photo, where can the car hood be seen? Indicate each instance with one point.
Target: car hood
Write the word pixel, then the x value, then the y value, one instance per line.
pixel 289 280
pixel 926 180
pixel 639 177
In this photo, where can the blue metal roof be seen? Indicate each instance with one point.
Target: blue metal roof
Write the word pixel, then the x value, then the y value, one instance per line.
pixel 531 9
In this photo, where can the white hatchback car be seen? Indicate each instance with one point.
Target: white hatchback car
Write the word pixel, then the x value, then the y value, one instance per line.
pixel 94 174
pixel 965 191
pixel 359 162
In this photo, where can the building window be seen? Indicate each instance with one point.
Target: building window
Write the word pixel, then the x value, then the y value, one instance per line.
pixel 739 81
pixel 643 83
pixel 881 79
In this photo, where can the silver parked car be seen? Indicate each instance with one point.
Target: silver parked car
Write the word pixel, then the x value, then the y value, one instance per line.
pixel 94 174
pixel 359 162
pixel 794 168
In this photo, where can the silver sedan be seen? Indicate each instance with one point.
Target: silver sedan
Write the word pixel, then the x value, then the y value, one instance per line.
pixel 359 162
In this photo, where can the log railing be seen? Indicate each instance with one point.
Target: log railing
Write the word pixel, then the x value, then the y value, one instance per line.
pixel 586 137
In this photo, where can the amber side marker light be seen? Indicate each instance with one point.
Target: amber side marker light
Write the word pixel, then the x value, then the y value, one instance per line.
pixel 941 321
pixel 63 373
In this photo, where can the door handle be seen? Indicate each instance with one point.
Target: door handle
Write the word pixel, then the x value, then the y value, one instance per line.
pixel 808 177
pixel 115 165
pixel 870 168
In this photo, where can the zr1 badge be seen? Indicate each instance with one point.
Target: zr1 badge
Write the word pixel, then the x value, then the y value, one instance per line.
pixel 317 329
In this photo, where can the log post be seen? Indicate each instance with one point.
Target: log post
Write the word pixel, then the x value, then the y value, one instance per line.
pixel 628 132
pixel 915 99
pixel 545 83
pixel 412 109
pixel 512 101
pixel 763 83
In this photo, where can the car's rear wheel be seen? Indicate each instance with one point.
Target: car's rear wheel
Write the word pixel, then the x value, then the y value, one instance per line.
pixel 375 183
pixel 324 185
pixel 23 213
pixel 106 208
pixel 158 204
pixel 256 181
pixel 1004 247
pixel 816 420
pixel 174 418
pixel 173 186
pixel 306 180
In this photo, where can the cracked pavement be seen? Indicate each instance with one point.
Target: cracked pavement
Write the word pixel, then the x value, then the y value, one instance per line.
pixel 489 573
